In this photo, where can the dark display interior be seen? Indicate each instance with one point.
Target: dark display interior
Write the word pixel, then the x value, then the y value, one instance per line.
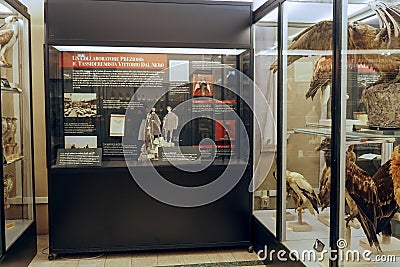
pixel 112 106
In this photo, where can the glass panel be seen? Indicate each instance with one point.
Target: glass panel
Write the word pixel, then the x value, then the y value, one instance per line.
pixel 370 83
pixel 306 162
pixel 140 105
pixel 16 127
pixel 265 108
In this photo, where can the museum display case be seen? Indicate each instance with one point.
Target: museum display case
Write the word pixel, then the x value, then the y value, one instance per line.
pixel 337 127
pixel 148 130
pixel 17 190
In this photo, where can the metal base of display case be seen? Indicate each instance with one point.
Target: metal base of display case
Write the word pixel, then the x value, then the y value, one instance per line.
pixel 23 250
pixel 86 220
pixel 264 239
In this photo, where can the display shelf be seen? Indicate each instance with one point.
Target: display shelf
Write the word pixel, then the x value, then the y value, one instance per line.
pixel 307 52
pixel 349 135
pixel 14 232
pixel 11 90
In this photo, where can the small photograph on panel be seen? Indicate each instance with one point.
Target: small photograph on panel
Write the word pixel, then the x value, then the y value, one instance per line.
pixel 77 142
pixel 78 105
pixel 225 130
pixel 117 125
pixel 178 70
pixel 202 85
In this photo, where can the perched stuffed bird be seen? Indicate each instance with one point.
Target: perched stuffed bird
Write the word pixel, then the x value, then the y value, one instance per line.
pixel 372 200
pixel 361 36
pixel 362 198
pixel 8 37
pixel 387 205
pixel 302 192
pixel 324 194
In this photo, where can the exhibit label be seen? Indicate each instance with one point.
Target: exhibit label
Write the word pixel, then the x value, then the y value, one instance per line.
pixel 88 60
pixel 85 157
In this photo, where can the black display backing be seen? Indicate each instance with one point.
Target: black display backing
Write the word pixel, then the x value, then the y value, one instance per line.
pixel 149 23
pixel 89 212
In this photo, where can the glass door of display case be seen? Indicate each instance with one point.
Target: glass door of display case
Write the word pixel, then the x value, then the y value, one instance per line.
pixel 265 136
pixel 337 127
pixel 369 81
pixel 131 105
pixel 17 201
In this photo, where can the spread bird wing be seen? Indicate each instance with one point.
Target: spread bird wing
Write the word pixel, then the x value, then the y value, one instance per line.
pixel 5 36
pixel 387 205
pixel 361 36
pixel 316 37
pixel 389 18
pixel 384 183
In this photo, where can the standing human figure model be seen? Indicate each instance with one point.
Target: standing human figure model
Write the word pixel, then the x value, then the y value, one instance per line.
pixel 170 123
pixel 153 127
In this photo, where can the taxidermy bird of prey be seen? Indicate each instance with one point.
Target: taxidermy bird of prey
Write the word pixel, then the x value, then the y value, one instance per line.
pixel 324 194
pixel 8 37
pixel 362 198
pixel 361 36
pixel 302 192
pixel 387 205
pixel 377 208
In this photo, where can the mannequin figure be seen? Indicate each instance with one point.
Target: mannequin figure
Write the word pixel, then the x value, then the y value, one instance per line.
pixel 170 123
pixel 153 129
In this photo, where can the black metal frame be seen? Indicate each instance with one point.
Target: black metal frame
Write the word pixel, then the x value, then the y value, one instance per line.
pixel 23 250
pixel 336 118
pixel 336 128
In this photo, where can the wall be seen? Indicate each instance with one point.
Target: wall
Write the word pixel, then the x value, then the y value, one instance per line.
pixel 35 9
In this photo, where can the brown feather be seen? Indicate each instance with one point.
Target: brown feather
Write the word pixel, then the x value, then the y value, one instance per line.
pixel 5 36
pixel 361 189
pixel 395 172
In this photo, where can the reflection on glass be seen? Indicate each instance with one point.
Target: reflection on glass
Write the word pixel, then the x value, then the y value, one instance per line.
pixel 16 133
pixel 169 101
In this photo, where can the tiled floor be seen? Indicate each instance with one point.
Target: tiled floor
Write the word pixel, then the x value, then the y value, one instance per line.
pixel 203 258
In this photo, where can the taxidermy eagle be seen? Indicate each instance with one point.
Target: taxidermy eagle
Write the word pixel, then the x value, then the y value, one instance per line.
pixel 302 192
pixel 324 194
pixel 8 37
pixel 372 200
pixel 361 36
pixel 325 179
pixel 362 198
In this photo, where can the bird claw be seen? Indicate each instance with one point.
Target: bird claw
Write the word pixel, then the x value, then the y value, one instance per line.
pixel 4 63
pixel 349 219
